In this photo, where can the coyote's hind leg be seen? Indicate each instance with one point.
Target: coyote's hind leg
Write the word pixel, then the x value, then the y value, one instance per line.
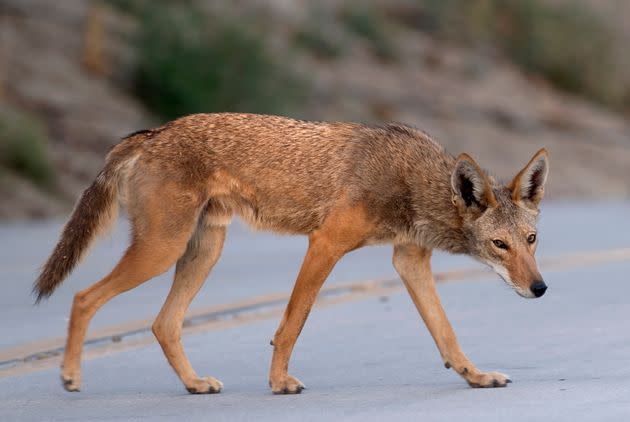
pixel 192 269
pixel 161 232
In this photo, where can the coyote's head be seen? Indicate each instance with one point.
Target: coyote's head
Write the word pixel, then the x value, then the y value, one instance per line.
pixel 499 221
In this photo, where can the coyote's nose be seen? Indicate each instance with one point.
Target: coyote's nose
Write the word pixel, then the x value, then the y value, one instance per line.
pixel 538 288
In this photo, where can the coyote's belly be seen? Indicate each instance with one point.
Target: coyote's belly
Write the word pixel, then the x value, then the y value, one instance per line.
pixel 278 204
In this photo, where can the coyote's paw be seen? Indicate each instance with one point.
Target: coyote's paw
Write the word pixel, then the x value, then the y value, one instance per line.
pixel 71 381
pixel 205 385
pixel 286 385
pixel 488 380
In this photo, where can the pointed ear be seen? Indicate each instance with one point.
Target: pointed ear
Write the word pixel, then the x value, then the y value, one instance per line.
pixel 471 187
pixel 528 187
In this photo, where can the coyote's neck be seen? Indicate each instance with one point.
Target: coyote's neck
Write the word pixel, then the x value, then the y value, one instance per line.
pixel 436 221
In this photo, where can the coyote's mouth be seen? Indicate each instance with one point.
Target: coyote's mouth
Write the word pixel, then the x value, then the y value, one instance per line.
pixel 505 276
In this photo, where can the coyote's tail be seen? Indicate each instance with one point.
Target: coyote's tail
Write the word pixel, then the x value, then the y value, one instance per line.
pixel 93 213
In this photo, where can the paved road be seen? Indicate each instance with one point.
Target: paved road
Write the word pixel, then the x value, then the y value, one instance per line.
pixel 368 359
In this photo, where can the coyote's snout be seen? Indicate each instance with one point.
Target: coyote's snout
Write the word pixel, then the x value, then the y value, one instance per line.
pixel 343 185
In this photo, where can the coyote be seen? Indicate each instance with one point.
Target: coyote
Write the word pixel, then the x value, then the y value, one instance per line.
pixel 344 185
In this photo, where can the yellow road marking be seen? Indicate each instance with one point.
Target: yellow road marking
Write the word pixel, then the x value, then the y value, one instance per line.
pixel 132 335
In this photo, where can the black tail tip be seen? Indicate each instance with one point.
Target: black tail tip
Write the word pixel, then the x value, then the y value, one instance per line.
pixel 39 294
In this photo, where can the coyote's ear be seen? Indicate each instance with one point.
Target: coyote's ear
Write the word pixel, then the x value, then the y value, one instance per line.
pixel 471 187
pixel 528 187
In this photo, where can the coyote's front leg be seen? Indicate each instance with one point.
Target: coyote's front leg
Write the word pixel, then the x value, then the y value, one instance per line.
pixel 322 255
pixel 344 230
pixel 414 267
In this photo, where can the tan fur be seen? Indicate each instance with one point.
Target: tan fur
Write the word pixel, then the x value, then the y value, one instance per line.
pixel 516 186
pixel 344 185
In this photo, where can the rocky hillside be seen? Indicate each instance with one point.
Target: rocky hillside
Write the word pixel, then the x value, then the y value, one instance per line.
pixel 67 68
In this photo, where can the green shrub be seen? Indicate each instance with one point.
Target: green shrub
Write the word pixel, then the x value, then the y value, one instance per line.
pixel 132 7
pixel 369 25
pixel 317 41
pixel 23 148
pixel 189 62
pixel 566 43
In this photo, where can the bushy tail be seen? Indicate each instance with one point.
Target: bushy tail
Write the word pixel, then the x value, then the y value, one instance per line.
pixel 94 212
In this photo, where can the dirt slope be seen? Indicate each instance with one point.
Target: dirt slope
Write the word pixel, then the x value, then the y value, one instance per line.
pixel 468 101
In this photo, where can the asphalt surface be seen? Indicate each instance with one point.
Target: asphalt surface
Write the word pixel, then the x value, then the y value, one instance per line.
pixel 369 358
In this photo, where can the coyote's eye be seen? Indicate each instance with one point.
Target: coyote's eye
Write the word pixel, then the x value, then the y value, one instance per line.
pixel 500 244
pixel 531 238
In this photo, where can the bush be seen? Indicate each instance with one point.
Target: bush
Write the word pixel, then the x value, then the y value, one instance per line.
pixel 131 7
pixel 317 41
pixel 23 148
pixel 369 25
pixel 566 43
pixel 190 63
